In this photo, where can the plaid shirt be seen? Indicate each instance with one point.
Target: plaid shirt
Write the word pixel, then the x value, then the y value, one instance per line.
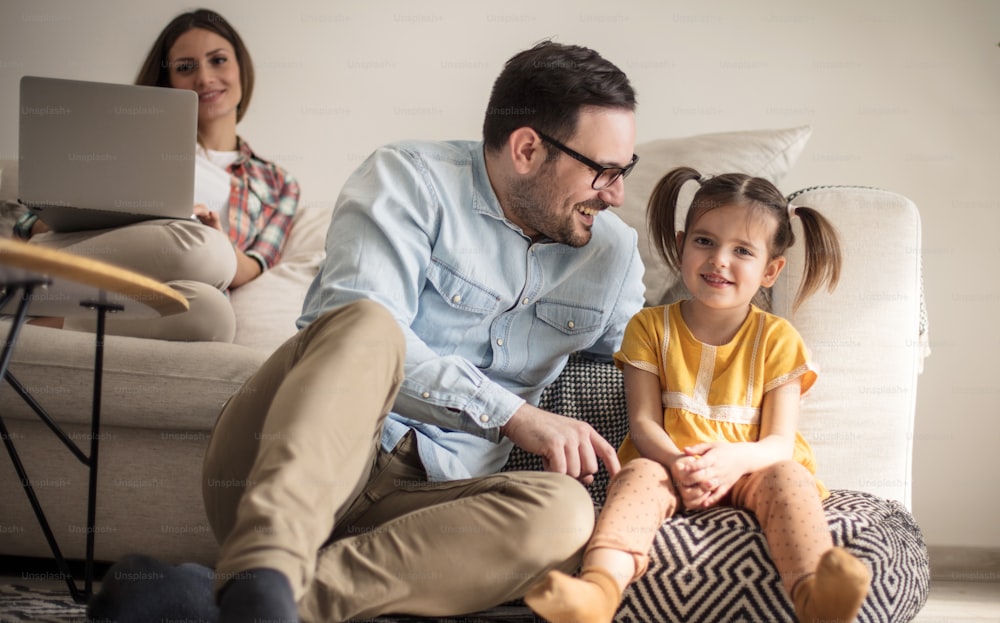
pixel 262 202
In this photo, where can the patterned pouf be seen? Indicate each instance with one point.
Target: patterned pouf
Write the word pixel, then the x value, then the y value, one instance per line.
pixel 714 565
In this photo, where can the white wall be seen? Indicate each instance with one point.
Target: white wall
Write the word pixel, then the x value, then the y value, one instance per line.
pixel 902 94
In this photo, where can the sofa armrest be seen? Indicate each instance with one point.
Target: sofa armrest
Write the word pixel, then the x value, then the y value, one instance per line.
pixel 868 338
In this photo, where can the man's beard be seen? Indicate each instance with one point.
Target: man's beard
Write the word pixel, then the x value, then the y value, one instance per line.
pixel 534 203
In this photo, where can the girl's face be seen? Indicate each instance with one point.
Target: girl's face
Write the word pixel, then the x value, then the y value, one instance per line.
pixel 203 62
pixel 725 257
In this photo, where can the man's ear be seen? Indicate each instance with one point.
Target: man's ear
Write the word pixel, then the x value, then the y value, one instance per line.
pixel 526 151
pixel 772 271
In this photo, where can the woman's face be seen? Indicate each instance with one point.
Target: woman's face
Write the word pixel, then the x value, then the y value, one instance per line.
pixel 205 63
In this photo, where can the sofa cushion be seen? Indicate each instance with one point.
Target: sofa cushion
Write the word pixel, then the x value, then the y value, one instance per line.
pixel 762 153
pixel 172 386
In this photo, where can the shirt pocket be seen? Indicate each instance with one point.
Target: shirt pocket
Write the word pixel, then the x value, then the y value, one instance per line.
pixel 456 313
pixel 460 292
pixel 568 318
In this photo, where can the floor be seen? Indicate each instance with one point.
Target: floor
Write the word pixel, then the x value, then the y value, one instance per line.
pixel 949 602
pixel 961 602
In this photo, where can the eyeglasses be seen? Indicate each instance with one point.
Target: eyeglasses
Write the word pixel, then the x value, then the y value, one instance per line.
pixel 606 176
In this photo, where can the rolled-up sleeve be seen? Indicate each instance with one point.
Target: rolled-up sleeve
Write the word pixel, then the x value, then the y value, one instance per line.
pixel 276 221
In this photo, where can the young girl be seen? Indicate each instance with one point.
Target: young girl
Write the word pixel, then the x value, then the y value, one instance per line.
pixel 713 385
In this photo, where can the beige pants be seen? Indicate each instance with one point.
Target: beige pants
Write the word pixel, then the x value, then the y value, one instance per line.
pixel 294 480
pixel 782 497
pixel 195 260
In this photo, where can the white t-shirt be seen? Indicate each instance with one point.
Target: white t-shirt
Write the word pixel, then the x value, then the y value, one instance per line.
pixel 212 185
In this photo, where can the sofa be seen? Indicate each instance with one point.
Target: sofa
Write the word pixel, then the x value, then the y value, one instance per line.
pixel 869 338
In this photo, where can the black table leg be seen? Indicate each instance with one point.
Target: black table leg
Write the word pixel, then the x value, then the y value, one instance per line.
pixel 90 461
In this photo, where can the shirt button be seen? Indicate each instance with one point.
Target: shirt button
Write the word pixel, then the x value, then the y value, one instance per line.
pixel 484 418
pixel 524 301
pixel 426 394
pixel 456 299
pixel 499 341
pixel 570 324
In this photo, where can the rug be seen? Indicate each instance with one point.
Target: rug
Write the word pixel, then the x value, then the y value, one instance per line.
pixel 21 602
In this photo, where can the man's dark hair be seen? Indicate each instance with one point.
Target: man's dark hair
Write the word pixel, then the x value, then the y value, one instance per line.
pixel 545 87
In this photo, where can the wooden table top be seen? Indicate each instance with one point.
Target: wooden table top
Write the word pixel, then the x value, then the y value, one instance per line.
pixel 76 279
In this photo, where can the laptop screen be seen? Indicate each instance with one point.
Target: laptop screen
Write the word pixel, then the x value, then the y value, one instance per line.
pixel 106 148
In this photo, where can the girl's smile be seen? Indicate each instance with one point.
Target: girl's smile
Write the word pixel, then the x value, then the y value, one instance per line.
pixel 716 281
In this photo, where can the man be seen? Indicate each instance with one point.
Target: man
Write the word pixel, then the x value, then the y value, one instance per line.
pixel 357 473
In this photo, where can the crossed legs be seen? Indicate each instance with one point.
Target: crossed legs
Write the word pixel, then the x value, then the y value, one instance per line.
pixel 195 260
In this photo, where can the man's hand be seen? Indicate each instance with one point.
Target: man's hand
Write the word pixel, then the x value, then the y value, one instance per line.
pixel 567 446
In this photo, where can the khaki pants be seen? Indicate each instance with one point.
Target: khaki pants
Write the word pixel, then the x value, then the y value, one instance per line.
pixel 294 481
pixel 195 260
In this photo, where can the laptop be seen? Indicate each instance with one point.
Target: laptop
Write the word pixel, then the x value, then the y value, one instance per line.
pixel 95 155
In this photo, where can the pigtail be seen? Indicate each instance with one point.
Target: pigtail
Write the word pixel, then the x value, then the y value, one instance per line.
pixel 661 214
pixel 822 254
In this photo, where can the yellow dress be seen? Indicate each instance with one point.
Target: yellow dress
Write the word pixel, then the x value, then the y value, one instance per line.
pixel 714 393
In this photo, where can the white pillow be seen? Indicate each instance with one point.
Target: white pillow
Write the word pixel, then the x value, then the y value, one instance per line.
pixel 761 153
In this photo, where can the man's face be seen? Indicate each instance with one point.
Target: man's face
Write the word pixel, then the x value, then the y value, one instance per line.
pixel 558 201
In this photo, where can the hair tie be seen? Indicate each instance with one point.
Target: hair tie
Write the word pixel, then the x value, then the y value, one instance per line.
pixel 791 209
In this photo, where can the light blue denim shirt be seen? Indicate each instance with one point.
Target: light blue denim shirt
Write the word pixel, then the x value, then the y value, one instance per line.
pixel 489 317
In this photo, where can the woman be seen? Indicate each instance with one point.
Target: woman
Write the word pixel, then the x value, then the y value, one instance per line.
pixel 245 203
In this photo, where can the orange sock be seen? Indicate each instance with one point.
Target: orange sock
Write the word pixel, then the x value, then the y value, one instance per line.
pixel 593 597
pixel 835 592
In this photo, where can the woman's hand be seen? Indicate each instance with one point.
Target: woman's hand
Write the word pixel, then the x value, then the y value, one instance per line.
pixel 207 217
pixel 247 268
pixel 39 227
